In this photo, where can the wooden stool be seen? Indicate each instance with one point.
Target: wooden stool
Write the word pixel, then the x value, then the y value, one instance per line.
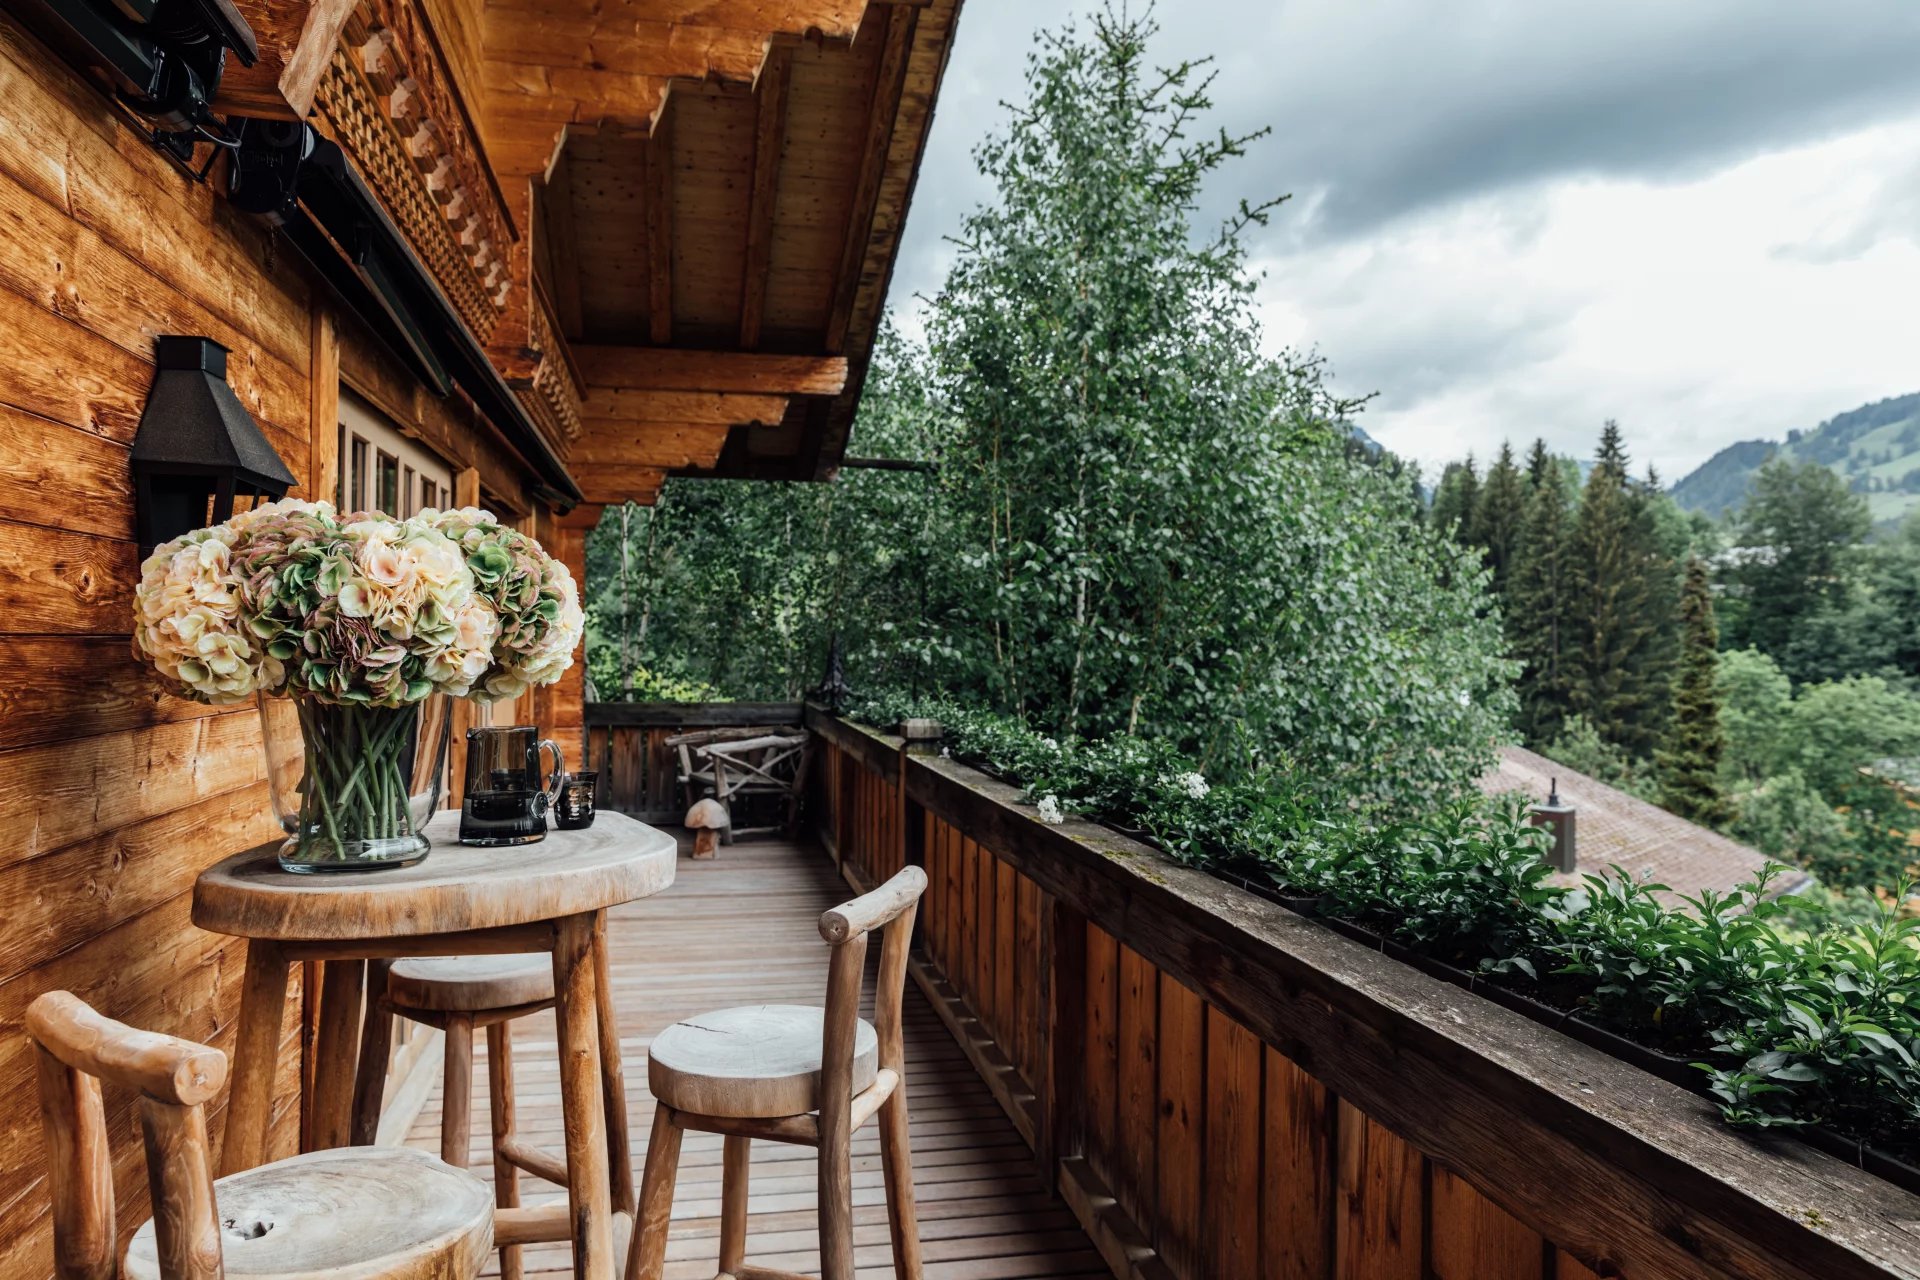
pixel 370 1213
pixel 461 994
pixel 799 1074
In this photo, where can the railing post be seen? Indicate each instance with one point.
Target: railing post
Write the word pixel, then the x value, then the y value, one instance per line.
pixel 843 809
pixel 1060 1131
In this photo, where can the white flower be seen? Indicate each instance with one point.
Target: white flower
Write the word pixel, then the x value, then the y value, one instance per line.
pixel 1193 784
pixel 1049 744
pixel 1050 811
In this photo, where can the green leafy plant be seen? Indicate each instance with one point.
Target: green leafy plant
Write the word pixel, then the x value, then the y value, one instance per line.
pixel 1804 1015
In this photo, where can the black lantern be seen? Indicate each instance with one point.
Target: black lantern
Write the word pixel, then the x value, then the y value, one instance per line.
pixel 832 689
pixel 197 449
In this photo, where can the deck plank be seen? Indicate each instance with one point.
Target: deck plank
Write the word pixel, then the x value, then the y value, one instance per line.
pixel 741 929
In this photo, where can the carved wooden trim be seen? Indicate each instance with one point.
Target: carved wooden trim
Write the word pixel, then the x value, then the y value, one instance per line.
pixel 555 383
pixel 387 98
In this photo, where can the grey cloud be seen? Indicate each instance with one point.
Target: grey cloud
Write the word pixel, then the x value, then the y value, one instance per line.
pixel 1393 107
pixel 1384 108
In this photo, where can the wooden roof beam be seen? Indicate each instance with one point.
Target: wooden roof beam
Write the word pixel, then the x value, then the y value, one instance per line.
pixel 563 254
pixel 889 81
pixel 611 486
pixel 769 137
pixel 659 187
pixel 704 408
pixel 737 371
pixel 669 446
pixel 296 42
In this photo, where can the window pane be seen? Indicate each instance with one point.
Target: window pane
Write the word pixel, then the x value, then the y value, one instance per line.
pixel 389 495
pixel 356 478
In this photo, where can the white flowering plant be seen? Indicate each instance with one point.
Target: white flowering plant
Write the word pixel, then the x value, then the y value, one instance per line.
pixel 357 618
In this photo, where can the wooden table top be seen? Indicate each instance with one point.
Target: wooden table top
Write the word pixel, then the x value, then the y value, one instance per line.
pixel 454 889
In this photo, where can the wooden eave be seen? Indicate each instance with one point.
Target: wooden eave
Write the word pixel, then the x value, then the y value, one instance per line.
pixel 720 183
pixel 670 223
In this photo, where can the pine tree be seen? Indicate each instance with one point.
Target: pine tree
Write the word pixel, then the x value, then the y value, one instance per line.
pixel 1612 668
pixel 1455 499
pixel 1538 602
pixel 1497 517
pixel 1539 463
pixel 1689 759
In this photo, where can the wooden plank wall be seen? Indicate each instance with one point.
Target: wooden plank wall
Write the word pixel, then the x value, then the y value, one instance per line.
pixel 113 793
pixel 1224 1157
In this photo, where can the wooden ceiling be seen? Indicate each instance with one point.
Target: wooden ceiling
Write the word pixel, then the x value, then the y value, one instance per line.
pixel 714 196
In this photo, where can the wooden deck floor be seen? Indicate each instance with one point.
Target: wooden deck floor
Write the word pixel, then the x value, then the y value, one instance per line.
pixel 741 930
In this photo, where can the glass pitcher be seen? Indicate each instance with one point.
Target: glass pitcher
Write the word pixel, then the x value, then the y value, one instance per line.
pixel 505 800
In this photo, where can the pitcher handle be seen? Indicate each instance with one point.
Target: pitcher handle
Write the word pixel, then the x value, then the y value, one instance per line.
pixel 559 770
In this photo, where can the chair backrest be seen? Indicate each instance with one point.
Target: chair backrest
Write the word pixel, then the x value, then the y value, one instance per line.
pixel 74 1050
pixel 891 909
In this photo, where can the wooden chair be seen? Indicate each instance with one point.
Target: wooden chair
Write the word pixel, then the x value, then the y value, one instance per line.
pixel 371 1213
pixel 746 762
pixel 799 1074
pixel 464 994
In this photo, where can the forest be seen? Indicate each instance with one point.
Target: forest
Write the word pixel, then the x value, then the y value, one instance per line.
pixel 1147 570
pixel 1755 673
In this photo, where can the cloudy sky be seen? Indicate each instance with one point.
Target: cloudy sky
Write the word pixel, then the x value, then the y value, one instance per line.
pixel 1514 218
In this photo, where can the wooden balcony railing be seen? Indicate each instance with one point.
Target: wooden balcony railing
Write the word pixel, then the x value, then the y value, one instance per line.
pixel 627 743
pixel 1219 1087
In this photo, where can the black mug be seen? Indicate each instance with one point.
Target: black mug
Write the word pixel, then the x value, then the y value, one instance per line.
pixel 573 808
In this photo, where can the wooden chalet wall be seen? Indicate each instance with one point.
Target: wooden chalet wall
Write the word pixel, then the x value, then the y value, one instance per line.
pixel 1218 1087
pixel 114 794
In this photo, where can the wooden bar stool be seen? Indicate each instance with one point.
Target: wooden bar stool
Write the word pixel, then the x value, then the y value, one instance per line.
pixel 369 1213
pixel 799 1074
pixel 464 994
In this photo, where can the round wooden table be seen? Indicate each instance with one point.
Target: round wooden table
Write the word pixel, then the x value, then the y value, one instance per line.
pixel 551 896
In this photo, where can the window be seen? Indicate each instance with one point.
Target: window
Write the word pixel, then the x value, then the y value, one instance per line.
pixel 383 470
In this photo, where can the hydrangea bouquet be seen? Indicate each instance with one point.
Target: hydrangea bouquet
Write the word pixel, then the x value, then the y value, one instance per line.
pixel 359 619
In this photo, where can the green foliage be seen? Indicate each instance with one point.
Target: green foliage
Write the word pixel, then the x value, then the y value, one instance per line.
pixel 735 586
pixel 1670 977
pixel 1689 760
pixel 1837 726
pixel 1618 661
pixel 1805 1016
pixel 1456 499
pixel 1833 1038
pixel 1581 748
pixel 1140 524
pixel 1499 516
pixel 1539 599
pixel 1794 545
pixel 1756 700
pixel 1783 817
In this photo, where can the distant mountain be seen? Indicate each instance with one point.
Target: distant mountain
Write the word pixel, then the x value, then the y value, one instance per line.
pixel 1875 449
pixel 1720 484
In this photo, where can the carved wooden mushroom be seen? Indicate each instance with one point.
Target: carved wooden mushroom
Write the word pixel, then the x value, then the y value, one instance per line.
pixel 707 819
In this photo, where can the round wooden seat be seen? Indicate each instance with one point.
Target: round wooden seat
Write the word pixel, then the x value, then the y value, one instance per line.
pixel 352 1213
pixel 756 1061
pixel 471 984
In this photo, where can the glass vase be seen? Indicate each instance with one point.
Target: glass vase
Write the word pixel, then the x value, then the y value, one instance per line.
pixel 354 786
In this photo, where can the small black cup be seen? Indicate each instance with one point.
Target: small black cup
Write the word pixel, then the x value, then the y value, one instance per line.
pixel 573 811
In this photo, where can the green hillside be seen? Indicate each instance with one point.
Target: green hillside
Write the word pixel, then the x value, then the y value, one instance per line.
pixel 1875 449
